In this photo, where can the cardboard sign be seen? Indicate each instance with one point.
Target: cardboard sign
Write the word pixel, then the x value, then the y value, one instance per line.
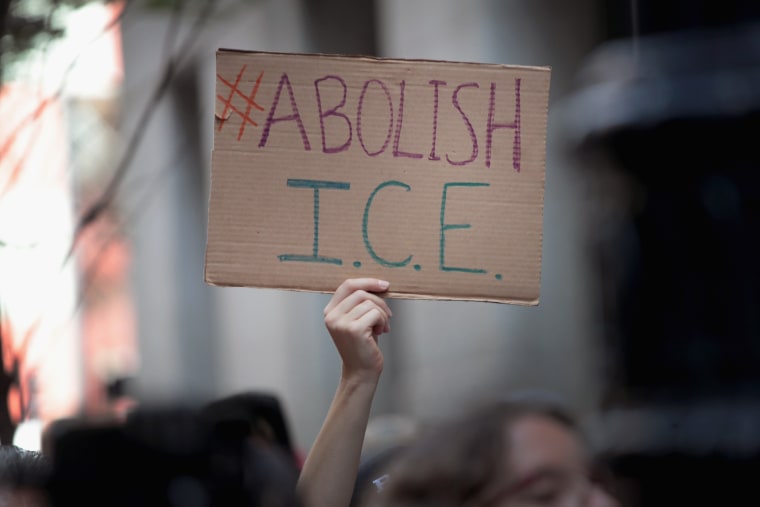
pixel 427 174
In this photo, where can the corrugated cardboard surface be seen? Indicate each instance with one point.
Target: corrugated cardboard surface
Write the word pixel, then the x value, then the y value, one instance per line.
pixel 287 123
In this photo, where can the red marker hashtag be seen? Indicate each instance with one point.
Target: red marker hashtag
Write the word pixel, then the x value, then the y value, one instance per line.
pixel 249 100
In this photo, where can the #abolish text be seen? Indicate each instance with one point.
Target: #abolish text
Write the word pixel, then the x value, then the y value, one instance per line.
pixel 372 115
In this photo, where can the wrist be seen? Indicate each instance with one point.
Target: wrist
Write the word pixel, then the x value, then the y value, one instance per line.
pixel 359 379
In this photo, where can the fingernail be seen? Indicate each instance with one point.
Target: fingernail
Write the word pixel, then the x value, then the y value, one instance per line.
pixel 383 284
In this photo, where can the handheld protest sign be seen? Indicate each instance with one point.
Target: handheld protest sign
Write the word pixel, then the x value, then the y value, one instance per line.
pixel 427 174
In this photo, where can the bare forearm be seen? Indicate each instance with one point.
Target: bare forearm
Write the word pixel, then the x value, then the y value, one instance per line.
pixel 329 474
pixel 355 316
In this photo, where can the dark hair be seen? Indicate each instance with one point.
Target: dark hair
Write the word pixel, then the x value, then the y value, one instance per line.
pixel 250 414
pixel 457 462
pixel 24 473
pixel 20 468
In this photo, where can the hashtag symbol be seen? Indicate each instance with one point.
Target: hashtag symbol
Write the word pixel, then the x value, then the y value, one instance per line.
pixel 250 101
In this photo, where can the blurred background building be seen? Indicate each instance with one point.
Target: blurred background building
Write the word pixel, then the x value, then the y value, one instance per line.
pixel 648 322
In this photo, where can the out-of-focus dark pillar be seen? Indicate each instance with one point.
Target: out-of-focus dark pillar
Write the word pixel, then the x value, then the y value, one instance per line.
pixel 678 238
pixel 676 118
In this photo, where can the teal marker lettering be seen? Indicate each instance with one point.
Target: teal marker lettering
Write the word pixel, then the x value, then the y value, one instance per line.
pixel 316 185
pixel 365 222
pixel 447 227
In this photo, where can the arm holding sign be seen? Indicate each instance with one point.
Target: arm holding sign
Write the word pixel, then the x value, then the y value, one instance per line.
pixel 355 317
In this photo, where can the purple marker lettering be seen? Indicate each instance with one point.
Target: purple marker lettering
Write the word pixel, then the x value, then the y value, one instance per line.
pixel 399 121
pixel 514 125
pixel 293 116
pixel 359 111
pixel 473 137
pixel 333 112
pixel 435 83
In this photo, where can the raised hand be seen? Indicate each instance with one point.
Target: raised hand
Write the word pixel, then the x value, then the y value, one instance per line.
pixel 355 317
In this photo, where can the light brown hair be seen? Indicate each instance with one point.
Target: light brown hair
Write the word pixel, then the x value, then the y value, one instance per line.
pixel 459 462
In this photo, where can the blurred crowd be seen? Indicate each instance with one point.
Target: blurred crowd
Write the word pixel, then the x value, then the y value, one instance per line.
pixel 525 450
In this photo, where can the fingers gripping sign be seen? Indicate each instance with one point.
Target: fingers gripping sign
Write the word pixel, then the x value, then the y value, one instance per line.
pixel 355 317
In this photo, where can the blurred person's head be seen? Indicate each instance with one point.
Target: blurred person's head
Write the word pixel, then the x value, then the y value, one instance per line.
pixel 168 457
pixel 23 477
pixel 518 453
pixel 251 415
